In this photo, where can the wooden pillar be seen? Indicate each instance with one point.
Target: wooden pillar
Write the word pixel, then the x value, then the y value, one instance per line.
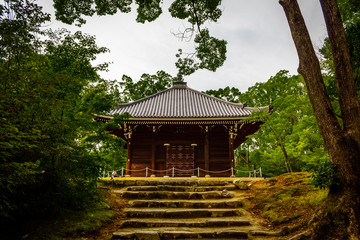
pixel 127 134
pixel 231 152
pixel 128 161
pixel 153 152
pixel 231 147
pixel 206 151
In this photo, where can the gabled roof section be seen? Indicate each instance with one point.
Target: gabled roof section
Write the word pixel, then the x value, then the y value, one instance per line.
pixel 181 101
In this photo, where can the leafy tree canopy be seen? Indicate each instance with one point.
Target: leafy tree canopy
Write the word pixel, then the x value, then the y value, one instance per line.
pixel 49 93
pixel 289 139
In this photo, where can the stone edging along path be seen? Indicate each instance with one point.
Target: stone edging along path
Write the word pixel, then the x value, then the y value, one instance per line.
pixel 186 208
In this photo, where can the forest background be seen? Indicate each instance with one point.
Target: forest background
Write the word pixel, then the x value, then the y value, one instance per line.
pixel 51 150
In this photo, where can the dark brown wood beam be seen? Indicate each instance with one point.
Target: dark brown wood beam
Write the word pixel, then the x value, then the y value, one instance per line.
pixel 206 151
pixel 153 152
pixel 128 161
pixel 231 150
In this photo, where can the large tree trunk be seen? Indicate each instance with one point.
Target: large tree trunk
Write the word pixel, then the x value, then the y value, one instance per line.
pixel 343 145
pixel 349 103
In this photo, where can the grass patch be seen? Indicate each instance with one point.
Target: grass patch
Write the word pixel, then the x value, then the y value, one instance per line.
pixel 289 198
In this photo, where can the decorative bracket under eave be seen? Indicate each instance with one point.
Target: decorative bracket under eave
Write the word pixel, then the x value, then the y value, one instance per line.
pixel 128 132
pixel 233 131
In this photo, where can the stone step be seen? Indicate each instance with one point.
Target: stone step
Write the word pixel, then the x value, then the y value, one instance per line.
pixel 195 233
pixel 221 203
pixel 185 209
pixel 176 223
pixel 180 213
pixel 169 181
pixel 175 195
pixel 224 233
pixel 230 187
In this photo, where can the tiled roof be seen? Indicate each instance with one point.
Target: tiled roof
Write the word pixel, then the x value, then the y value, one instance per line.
pixel 181 101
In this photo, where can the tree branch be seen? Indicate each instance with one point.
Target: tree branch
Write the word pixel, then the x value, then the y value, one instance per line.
pixel 187 34
pixel 197 21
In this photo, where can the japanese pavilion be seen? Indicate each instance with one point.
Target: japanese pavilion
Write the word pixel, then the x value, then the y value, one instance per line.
pixel 182 132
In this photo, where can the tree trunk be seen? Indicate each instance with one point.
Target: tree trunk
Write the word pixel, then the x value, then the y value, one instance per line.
pixel 286 157
pixel 343 145
pixel 349 164
pixel 247 156
pixel 349 103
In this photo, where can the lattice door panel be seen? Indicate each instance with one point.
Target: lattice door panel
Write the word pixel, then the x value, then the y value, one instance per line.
pixel 181 158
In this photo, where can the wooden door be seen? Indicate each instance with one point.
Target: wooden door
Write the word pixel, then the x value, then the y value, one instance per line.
pixel 181 158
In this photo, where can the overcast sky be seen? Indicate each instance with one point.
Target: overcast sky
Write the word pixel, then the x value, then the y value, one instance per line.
pixel 258 36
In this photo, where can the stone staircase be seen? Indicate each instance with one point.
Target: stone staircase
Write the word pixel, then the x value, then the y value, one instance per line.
pixel 186 209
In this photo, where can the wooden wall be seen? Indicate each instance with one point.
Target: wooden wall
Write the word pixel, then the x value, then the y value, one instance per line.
pixel 142 140
pixel 141 150
pixel 219 151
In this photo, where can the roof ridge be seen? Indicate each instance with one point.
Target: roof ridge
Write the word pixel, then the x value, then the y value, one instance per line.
pixel 241 105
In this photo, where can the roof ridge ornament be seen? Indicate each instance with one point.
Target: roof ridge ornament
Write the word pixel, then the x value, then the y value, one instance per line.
pixel 180 82
pixel 180 77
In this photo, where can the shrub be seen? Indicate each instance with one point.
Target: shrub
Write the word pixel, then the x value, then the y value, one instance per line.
pixel 325 176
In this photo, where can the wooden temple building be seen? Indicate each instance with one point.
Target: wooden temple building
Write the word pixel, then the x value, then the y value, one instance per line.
pixel 182 132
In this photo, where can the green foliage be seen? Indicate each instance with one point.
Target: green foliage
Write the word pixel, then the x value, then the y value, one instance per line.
pixel 186 65
pixel 106 146
pixel 227 94
pixel 210 54
pixel 210 51
pixel 280 85
pixel 73 53
pixel 205 11
pixel 100 97
pixel 349 10
pixel 17 180
pixel 104 7
pixel 325 176
pixel 49 93
pixel 69 11
pixel 289 139
pixel 146 86
pixel 148 10
pixel 20 22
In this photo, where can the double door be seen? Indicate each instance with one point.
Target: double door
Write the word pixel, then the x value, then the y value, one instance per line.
pixel 180 160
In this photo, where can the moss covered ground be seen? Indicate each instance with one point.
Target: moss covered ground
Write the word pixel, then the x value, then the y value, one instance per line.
pixel 286 202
